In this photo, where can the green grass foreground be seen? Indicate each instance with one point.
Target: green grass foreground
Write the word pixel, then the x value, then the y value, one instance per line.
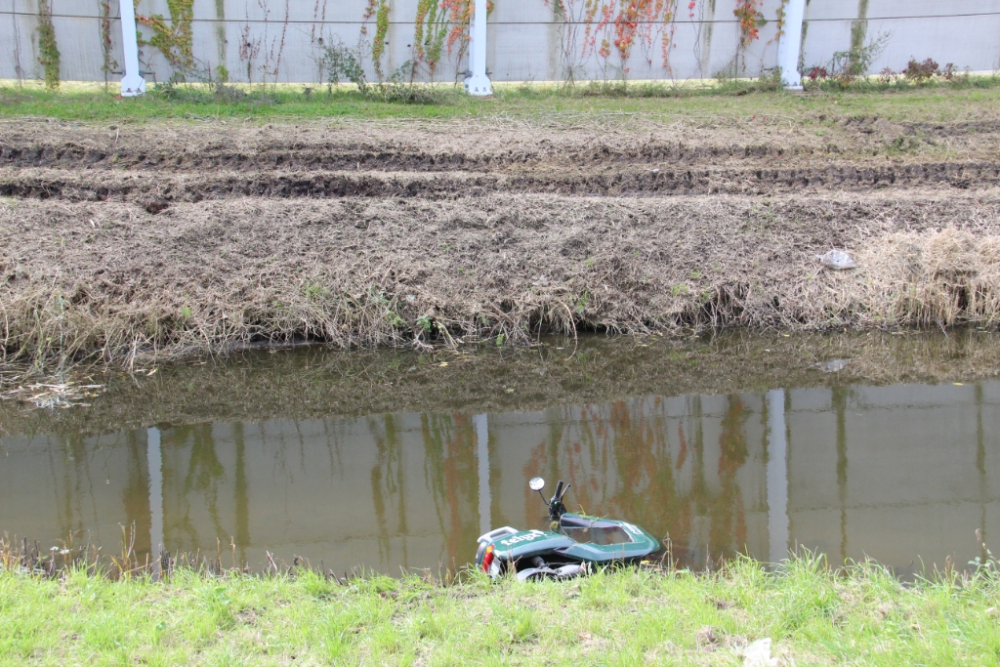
pixel 861 616
pixel 936 100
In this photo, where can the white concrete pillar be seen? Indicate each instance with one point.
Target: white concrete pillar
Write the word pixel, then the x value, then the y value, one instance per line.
pixel 790 45
pixel 478 83
pixel 132 83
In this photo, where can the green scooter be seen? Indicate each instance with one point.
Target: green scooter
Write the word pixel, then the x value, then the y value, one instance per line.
pixel 573 546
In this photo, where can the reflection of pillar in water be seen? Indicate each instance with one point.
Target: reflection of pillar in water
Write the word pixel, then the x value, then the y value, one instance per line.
pixel 483 460
pixel 981 465
pixel 777 476
pixel 839 402
pixel 242 499
pixel 154 459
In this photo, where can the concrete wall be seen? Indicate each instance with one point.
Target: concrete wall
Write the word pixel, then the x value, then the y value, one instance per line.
pixel 527 41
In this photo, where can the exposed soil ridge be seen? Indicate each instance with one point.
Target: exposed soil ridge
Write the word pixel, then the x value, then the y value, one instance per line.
pixel 475 147
pixel 167 187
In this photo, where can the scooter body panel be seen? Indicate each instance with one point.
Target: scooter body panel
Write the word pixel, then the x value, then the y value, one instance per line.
pixel 516 550
pixel 528 543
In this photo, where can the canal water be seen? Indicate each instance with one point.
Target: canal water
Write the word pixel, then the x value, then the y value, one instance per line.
pixel 857 447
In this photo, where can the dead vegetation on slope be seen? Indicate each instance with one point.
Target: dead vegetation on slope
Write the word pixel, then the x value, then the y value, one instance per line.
pixel 128 240
pixel 114 280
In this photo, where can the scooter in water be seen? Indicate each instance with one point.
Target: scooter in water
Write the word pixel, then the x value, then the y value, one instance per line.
pixel 573 546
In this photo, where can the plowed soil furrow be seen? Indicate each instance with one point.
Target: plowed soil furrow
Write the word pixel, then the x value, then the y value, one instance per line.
pixel 361 158
pixel 451 146
pixel 341 158
pixel 168 188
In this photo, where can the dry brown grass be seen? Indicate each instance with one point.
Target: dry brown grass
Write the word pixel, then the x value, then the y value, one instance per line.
pixel 945 277
pixel 929 278
pixel 111 281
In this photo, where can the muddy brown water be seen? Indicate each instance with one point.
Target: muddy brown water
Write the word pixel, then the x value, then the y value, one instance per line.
pixel 854 446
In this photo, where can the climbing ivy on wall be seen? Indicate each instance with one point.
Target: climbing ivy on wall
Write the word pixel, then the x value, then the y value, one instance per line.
pixel 48 50
pixel 438 24
pixel 380 10
pixel 618 26
pixel 109 65
pixel 859 29
pixel 781 16
pixel 636 22
pixel 460 16
pixel 430 31
pixel 750 18
pixel 173 40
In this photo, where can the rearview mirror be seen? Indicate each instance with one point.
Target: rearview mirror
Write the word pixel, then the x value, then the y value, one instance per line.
pixel 536 484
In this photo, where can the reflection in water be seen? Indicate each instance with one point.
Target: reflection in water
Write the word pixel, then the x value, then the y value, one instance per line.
pixel 981 469
pixel 483 461
pixel 154 459
pixel 777 476
pixel 840 407
pixel 897 473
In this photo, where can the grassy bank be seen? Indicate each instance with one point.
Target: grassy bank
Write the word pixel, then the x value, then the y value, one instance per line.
pixel 199 102
pixel 860 616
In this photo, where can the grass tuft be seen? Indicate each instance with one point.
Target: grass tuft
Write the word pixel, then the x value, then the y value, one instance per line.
pixel 813 614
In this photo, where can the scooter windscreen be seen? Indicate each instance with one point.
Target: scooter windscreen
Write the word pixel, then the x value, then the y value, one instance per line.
pixel 594 531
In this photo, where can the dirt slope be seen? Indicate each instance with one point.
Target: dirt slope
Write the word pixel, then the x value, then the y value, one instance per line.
pixel 121 239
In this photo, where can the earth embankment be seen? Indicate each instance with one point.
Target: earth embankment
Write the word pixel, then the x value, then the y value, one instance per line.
pixel 120 239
